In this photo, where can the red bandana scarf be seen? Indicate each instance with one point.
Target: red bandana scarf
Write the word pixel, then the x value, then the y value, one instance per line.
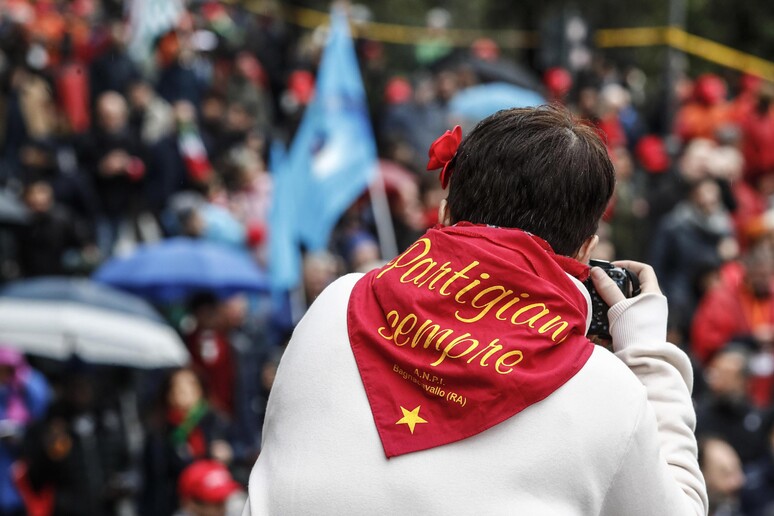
pixel 469 326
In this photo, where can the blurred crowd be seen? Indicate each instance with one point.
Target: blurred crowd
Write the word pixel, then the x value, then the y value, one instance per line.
pixel 106 152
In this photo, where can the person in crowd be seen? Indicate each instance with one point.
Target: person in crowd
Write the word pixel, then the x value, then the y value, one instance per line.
pixel 298 92
pixel 212 116
pixel 740 306
pixel 247 86
pixel 183 430
pixel 53 237
pixel 558 83
pixel 723 473
pixel 113 159
pixel 725 409
pixel 238 125
pixel 179 162
pixel 270 363
pixel 151 117
pixel 177 79
pixel 748 87
pixel 227 349
pixel 357 400
pixel 612 99
pixel 80 450
pixel 211 350
pixel 698 231
pixel 361 252
pixel 80 104
pixel 24 398
pixel 395 119
pixel 54 161
pixel 113 69
pixel 757 135
pixel 436 45
pixel 249 187
pixel 206 488
pixel 758 491
pixel 669 179
pixel 628 209
pixel 409 124
pixel 319 270
pixel 31 111
pixel 248 343
pixel 706 112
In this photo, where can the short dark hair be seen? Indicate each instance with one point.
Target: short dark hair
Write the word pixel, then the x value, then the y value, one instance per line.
pixel 536 169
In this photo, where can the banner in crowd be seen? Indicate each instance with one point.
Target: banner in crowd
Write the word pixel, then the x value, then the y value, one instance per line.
pixel 284 251
pixel 333 156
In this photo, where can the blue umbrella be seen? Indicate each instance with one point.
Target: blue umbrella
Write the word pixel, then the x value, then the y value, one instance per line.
pixel 221 227
pixel 219 224
pixel 478 102
pixel 176 268
pixel 60 317
pixel 12 210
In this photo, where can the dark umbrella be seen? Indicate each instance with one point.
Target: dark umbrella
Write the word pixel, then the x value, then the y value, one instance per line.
pixel 506 71
pixel 500 70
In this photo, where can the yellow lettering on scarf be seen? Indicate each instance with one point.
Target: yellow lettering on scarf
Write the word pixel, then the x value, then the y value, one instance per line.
pixel 476 298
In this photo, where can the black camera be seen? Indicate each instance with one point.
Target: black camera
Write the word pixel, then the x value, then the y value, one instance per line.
pixel 627 281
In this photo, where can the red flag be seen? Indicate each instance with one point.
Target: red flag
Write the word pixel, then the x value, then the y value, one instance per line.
pixel 469 326
pixel 194 154
pixel 72 87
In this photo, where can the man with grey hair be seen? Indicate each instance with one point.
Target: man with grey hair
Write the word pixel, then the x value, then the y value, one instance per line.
pixel 112 158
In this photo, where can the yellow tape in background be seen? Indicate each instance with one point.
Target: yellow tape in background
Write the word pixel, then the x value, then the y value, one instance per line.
pixel 410 35
pixel 639 37
pixel 720 54
pixel 604 38
pixel 688 43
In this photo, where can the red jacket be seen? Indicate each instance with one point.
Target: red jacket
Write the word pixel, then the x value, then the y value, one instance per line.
pixel 721 314
pixel 211 355
pixel 727 311
pixel 758 145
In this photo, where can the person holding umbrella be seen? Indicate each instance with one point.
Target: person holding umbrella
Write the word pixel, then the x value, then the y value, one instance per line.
pixel 24 397
pixel 81 451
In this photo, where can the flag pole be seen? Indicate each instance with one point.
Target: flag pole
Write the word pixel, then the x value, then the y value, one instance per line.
pixel 384 228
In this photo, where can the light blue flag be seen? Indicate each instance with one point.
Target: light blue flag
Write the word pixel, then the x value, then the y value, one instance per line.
pixel 333 155
pixel 284 250
pixel 149 19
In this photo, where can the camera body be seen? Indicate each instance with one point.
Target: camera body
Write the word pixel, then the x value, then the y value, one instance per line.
pixel 627 281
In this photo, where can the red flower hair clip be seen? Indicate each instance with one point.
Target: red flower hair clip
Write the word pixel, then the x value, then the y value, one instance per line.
pixel 442 151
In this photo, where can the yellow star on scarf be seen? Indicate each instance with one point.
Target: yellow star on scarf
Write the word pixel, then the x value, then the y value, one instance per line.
pixel 410 418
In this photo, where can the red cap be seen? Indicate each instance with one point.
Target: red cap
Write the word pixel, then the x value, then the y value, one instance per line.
pixel 710 89
pixel 207 481
pixel 213 10
pixel 750 83
pixel 485 49
pixel 398 91
pixel 301 85
pixel 256 233
pixel 251 68
pixel 652 154
pixel 558 81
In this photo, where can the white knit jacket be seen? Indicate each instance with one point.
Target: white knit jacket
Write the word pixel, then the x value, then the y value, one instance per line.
pixel 616 439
